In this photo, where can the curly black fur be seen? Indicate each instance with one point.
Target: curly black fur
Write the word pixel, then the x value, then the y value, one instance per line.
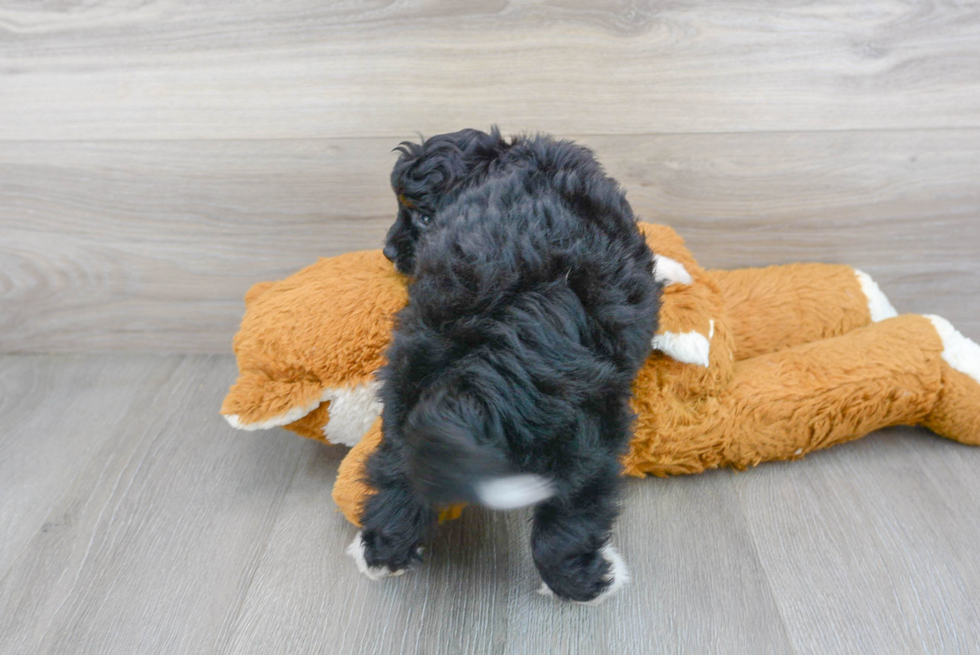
pixel 532 309
pixel 430 175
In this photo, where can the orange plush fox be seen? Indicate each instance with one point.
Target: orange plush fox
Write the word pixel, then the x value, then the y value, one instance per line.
pixel 749 365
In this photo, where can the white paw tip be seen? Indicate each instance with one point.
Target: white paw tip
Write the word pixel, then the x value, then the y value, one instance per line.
pixel 961 353
pixel 618 576
pixel 513 491
pixel 879 306
pixel 356 552
pixel 669 271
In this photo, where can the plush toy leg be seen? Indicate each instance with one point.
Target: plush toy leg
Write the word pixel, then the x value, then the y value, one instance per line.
pixel 351 489
pixel 827 392
pixel 786 404
pixel 771 309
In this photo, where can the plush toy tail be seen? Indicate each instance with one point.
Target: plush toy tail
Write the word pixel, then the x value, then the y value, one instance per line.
pixel 451 462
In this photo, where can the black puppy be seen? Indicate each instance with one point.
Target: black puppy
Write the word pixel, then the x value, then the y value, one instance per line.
pixel 508 378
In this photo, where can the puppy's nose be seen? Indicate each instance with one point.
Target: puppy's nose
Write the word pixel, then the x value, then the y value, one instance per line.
pixel 390 252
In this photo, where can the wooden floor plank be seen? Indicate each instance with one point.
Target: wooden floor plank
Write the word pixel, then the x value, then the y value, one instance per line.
pixel 154 543
pixel 697 583
pixel 871 547
pixel 174 533
pixel 309 69
pixel 55 418
pixel 475 591
pixel 445 605
pixel 145 246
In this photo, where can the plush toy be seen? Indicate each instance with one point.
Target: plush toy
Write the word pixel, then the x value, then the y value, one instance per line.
pixel 749 365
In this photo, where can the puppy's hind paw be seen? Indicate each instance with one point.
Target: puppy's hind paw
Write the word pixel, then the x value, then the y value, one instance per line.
pixel 356 552
pixel 617 577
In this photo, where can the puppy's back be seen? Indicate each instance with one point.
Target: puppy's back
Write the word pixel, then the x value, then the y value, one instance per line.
pixel 532 309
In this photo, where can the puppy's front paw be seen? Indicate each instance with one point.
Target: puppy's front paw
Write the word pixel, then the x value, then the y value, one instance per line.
pixel 367 551
pixel 612 575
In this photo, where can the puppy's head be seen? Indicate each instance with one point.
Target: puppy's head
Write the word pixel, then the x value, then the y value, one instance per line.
pixel 426 177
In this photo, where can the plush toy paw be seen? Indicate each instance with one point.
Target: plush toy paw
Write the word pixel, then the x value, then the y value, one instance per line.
pixel 959 352
pixel 374 556
pixel 598 585
pixel 957 411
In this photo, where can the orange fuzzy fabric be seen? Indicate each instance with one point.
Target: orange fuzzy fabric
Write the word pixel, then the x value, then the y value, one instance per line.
pixel 794 364
pixel 324 327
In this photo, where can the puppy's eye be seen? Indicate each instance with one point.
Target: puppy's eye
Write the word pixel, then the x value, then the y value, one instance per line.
pixel 423 219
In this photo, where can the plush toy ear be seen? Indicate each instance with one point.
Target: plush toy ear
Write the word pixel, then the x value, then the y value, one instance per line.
pixel 257 291
pixel 258 402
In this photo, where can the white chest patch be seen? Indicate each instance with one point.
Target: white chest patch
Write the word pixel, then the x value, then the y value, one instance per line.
pixel 352 411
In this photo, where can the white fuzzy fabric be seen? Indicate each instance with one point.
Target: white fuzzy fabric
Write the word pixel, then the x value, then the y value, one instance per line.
pixel 686 347
pixel 356 552
pixel 513 491
pixel 352 411
pixel 878 304
pixel 669 271
pixel 618 574
pixel 959 352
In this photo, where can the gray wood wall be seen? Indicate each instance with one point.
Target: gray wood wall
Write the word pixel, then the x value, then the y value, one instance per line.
pixel 157 158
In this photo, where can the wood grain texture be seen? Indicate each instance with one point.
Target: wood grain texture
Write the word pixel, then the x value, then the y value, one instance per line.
pixel 158 528
pixel 174 69
pixel 153 541
pixel 880 543
pixel 55 417
pixel 150 246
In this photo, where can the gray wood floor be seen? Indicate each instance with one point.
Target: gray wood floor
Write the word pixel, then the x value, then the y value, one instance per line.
pixel 136 521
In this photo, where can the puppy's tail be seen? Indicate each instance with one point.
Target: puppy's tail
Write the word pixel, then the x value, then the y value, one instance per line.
pixel 453 459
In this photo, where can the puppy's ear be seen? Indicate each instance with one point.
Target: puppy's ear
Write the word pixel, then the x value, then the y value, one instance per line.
pixel 409 153
pixel 437 164
pixel 427 170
